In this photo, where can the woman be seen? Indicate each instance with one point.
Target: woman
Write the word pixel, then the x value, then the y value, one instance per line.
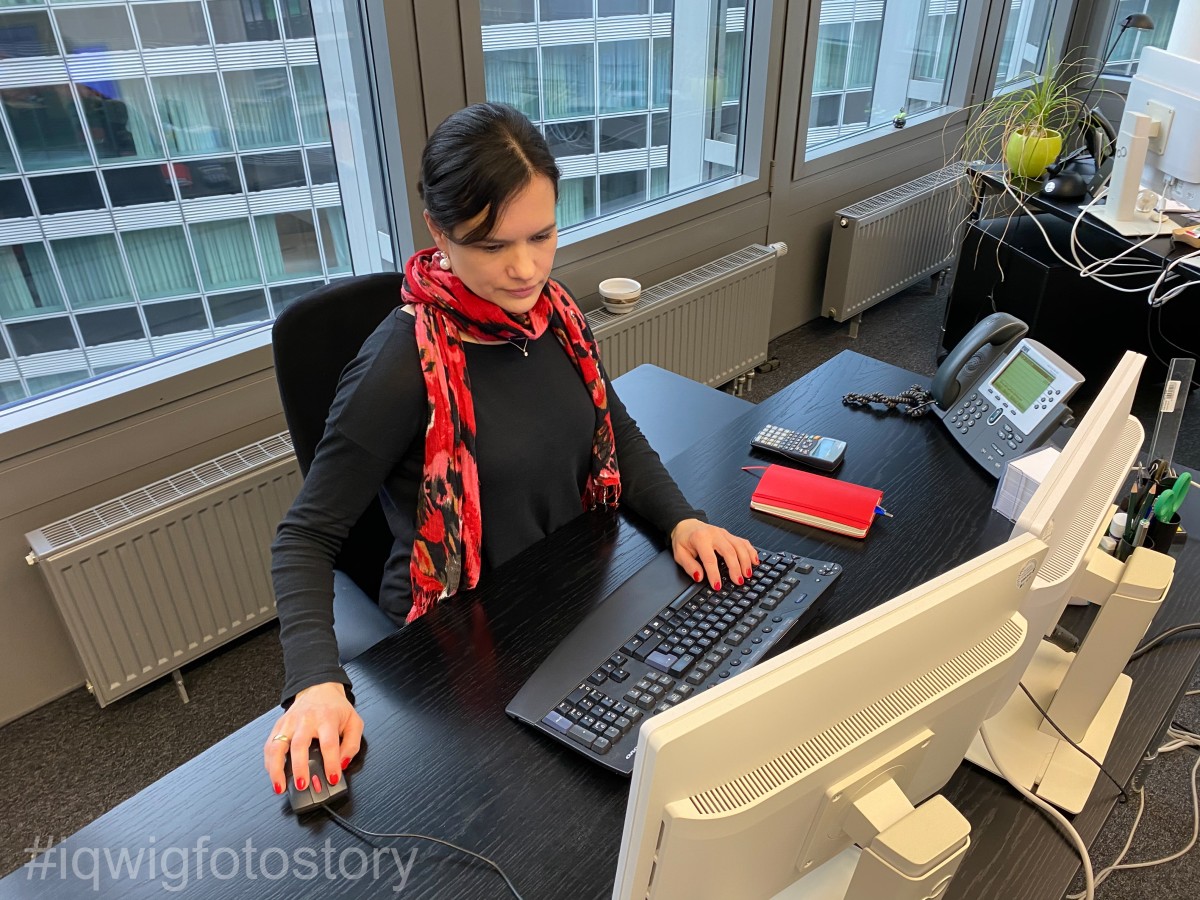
pixel 478 412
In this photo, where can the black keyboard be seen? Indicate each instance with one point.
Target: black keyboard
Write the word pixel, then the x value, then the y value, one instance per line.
pixel 657 640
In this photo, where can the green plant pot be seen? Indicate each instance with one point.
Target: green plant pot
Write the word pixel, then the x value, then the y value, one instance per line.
pixel 1028 157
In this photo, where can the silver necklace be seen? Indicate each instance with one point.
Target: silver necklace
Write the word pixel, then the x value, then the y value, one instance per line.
pixel 523 346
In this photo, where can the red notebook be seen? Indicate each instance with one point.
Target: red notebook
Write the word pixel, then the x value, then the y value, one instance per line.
pixel 816 500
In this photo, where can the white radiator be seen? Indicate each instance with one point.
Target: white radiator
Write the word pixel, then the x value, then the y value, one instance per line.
pixel 893 240
pixel 162 575
pixel 710 324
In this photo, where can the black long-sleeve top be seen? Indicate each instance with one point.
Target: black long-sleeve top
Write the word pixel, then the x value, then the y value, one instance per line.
pixel 534 426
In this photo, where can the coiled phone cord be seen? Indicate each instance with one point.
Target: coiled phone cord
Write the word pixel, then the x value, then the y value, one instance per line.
pixel 917 400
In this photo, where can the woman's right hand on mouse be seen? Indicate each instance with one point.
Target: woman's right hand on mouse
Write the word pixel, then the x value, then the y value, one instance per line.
pixel 323 712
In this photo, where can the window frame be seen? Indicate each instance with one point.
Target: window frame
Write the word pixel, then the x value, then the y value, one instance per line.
pixel 141 387
pixel 584 244
pixel 971 75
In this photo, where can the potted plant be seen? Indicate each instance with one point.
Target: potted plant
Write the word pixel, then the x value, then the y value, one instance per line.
pixel 1026 123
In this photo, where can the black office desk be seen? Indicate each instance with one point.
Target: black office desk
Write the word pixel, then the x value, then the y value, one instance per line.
pixel 443 759
pixel 1005 264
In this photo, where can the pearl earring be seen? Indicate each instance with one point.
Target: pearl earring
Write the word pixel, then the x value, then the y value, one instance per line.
pixel 443 262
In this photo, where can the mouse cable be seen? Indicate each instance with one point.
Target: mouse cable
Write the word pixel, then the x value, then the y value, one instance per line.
pixel 1179 740
pixel 363 833
pixel 1154 642
pixel 1123 797
pixel 1089 878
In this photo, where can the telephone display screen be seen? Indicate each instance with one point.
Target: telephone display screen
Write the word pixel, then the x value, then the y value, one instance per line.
pixel 1022 382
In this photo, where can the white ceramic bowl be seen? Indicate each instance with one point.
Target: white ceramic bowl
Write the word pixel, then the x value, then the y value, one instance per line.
pixel 620 294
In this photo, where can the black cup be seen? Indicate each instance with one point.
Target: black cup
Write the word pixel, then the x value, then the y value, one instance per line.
pixel 1160 534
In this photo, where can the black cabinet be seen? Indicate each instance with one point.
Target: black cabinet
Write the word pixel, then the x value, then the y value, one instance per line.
pixel 1007 265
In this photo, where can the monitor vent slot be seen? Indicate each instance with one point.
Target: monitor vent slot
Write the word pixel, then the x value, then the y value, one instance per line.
pixel 777 773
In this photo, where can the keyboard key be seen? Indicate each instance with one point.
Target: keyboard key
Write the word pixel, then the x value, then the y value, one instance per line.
pixel 682 664
pixel 589 721
pixel 645 701
pixel 804 568
pixel 660 661
pixel 674 697
pixel 618 675
pixel 734 639
pixel 624 723
pixel 686 690
pixel 582 735
pixel 634 714
pixel 696 677
pixel 559 723
pixel 618 660
pixel 648 646
pixel 597 678
pixel 612 732
pixel 631 645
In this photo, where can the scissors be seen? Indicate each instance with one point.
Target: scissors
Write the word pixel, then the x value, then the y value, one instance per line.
pixel 1168 504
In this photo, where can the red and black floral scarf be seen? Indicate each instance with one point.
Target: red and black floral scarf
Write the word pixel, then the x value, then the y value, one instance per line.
pixel 449 527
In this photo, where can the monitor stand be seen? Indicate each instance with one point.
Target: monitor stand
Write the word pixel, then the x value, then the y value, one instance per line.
pixel 1083 692
pixel 902 853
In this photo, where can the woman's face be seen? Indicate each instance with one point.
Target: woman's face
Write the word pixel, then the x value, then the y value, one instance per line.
pixel 510 266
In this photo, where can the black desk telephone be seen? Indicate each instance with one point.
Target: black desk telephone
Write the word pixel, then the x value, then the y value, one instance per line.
pixel 1000 393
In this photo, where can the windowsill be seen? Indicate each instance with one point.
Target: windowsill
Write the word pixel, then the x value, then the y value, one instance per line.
pixel 631 223
pixel 880 139
pixel 112 398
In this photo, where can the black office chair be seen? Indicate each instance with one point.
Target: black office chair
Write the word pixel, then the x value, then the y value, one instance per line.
pixel 313 340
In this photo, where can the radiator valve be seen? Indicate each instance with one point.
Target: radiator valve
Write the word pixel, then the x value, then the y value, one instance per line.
pixel 779 247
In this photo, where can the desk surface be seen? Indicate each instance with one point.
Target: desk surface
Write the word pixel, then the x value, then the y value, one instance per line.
pixel 1030 190
pixel 443 759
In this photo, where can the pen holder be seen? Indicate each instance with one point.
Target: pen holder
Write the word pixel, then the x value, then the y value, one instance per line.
pixel 1160 535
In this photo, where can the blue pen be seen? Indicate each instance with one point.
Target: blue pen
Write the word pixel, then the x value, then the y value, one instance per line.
pixel 880 511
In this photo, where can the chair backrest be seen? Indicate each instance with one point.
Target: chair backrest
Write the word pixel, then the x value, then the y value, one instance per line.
pixel 313 341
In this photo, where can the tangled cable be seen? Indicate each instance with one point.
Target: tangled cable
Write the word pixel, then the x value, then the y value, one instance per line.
pixel 917 400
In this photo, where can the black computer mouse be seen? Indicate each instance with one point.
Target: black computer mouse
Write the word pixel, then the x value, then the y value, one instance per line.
pixel 310 798
pixel 1065 186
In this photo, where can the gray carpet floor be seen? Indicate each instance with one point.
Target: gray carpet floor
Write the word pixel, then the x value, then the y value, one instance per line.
pixel 70 761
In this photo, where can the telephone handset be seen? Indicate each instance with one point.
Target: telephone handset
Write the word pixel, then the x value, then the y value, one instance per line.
pixel 1001 393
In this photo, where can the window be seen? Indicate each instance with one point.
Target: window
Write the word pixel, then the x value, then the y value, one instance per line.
pixel 876 60
pixel 1026 37
pixel 605 102
pixel 1129 47
pixel 167 192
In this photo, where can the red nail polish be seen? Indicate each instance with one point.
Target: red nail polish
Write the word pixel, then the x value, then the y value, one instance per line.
pixel 300 783
pixel 696 575
pixel 716 585
pixel 345 762
pixel 740 581
pixel 749 573
pixel 333 779
pixel 316 784
pixel 279 788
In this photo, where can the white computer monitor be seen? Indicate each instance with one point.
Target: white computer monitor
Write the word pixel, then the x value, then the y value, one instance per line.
pixel 1082 692
pixel 1159 133
pixel 765 786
